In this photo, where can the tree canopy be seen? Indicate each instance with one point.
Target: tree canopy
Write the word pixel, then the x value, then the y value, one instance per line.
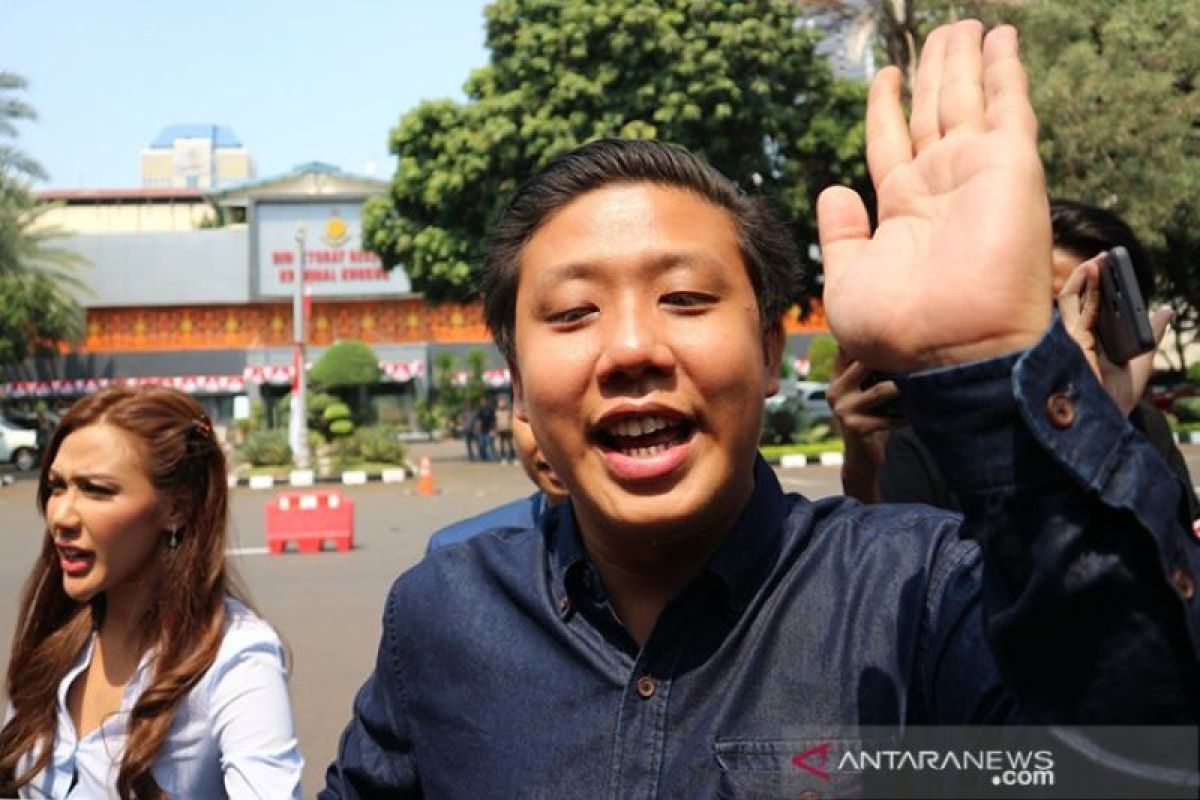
pixel 738 83
pixel 1114 84
pixel 344 364
pixel 37 312
pixel 1115 89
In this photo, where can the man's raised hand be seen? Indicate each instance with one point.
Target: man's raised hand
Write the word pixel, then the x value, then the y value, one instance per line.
pixel 958 268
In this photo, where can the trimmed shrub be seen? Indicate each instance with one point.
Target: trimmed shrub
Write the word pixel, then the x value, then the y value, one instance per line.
pixel 267 449
pixel 336 417
pixel 1187 409
pixel 341 427
pixel 821 352
pixel 781 423
pixel 379 443
pixel 348 363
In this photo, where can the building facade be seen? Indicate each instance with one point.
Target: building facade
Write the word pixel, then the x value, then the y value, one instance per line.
pixel 195 289
pixel 195 156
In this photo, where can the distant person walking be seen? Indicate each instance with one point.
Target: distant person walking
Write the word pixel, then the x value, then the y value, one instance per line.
pixel 487 427
pixel 470 429
pixel 504 431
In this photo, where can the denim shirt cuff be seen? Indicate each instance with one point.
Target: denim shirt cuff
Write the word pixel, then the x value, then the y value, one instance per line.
pixel 980 416
pixel 1025 419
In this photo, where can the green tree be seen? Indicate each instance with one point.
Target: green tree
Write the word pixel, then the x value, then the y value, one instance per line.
pixel 1115 88
pixel 345 364
pixel 897 28
pixel 822 351
pixel 14 161
pixel 351 367
pixel 475 389
pixel 37 310
pixel 738 83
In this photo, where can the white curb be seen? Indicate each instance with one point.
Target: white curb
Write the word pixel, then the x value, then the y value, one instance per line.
pixel 396 475
pixel 301 477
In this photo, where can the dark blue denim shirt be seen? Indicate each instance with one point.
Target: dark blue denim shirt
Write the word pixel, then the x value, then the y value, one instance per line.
pixel 524 513
pixel 503 672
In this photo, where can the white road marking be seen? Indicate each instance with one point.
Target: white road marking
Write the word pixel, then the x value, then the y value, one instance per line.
pixel 246 551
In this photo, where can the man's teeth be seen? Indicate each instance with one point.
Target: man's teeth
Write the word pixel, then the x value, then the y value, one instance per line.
pixel 644 452
pixel 639 426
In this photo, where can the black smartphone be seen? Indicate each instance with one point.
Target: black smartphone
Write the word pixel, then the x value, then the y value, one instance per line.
pixel 1123 326
pixel 888 408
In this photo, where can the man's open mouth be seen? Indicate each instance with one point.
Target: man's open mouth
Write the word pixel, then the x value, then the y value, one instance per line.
pixel 643 436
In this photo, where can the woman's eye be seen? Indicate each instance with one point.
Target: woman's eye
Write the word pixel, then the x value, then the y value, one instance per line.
pixel 96 490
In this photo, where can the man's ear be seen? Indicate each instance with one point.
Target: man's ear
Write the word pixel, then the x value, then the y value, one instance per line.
pixel 773 352
pixel 518 394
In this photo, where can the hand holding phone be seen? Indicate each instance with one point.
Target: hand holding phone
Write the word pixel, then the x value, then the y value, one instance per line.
pixel 888 408
pixel 1123 325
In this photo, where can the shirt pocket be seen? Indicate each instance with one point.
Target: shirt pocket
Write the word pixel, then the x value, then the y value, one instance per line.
pixel 765 769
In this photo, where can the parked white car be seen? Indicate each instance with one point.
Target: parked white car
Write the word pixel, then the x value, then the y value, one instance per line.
pixel 808 396
pixel 18 445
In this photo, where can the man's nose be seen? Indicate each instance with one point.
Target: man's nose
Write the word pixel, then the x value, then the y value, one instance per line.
pixel 635 345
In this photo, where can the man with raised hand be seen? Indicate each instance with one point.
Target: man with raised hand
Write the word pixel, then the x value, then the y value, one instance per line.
pixel 685 629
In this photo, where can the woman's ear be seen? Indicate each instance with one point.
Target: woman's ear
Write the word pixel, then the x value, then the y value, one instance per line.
pixel 175 517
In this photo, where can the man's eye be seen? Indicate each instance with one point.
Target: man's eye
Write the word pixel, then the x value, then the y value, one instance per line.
pixel 571 315
pixel 688 299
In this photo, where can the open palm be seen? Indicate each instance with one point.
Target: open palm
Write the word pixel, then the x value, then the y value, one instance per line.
pixel 958 268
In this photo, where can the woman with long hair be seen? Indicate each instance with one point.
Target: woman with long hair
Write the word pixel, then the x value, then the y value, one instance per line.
pixel 136 670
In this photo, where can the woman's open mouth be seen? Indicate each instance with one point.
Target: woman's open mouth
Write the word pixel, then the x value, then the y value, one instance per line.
pixel 75 560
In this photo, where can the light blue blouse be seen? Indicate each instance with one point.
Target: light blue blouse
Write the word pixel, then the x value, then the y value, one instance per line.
pixel 232 735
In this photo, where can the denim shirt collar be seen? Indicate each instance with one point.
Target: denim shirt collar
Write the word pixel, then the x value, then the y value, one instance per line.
pixel 741 563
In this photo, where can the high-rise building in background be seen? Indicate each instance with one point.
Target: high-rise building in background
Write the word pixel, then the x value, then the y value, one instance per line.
pixel 847 31
pixel 195 156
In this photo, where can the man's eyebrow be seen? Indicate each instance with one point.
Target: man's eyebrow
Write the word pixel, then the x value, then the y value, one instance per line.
pixel 572 270
pixel 666 262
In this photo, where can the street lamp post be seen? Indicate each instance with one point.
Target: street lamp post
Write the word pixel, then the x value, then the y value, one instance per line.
pixel 298 424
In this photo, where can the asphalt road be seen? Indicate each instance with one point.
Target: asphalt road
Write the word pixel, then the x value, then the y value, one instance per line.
pixel 327 606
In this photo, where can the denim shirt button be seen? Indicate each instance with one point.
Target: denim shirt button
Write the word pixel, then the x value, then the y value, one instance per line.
pixel 646 686
pixel 1060 410
pixel 1184 582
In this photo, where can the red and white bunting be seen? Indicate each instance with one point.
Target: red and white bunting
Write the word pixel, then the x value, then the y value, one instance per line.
pixel 283 374
pixel 494 378
pixel 402 371
pixel 192 384
pixel 280 375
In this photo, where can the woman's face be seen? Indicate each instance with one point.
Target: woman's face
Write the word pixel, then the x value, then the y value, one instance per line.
pixel 103 514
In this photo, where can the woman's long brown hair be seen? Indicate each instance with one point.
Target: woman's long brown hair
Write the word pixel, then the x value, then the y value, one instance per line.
pixel 185 621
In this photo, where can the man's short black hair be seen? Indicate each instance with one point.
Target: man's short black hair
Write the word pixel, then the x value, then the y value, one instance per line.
pixel 1087 230
pixel 766 243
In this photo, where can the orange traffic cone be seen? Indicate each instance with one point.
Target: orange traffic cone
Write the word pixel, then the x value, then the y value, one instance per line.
pixel 425 485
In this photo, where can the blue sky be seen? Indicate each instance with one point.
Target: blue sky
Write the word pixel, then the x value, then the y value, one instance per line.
pixel 296 81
